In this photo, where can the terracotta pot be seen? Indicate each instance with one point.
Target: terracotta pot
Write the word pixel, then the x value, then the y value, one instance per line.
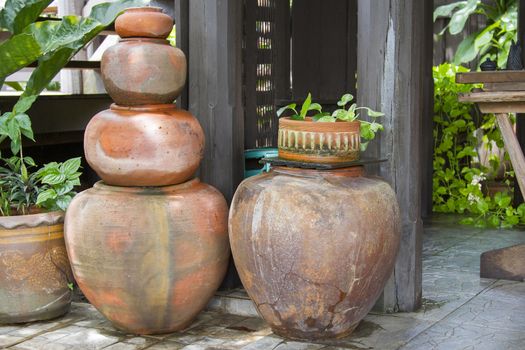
pixel 144 146
pixel 146 22
pixel 34 269
pixel 314 249
pixel 318 142
pixel 149 259
pixel 143 70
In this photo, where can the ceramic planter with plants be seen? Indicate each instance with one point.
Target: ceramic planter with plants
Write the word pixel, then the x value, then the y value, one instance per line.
pixel 314 248
pixel 149 244
pixel 35 275
pixel 324 137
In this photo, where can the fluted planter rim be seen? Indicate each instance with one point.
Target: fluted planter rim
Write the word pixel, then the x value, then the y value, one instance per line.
pixel 31 220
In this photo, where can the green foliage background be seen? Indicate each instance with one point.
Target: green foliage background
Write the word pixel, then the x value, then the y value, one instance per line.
pixel 458 179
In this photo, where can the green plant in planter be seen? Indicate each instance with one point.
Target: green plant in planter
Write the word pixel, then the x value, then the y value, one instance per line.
pixel 50 188
pixel 368 129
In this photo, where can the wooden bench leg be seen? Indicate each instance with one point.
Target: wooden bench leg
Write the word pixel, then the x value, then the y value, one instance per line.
pixel 513 148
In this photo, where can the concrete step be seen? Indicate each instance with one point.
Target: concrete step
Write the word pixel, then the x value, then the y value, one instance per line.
pixel 235 302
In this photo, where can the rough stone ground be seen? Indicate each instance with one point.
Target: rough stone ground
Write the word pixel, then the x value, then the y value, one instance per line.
pixel 461 311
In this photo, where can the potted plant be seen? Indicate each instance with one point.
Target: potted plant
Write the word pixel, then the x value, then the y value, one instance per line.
pixel 325 137
pixel 35 277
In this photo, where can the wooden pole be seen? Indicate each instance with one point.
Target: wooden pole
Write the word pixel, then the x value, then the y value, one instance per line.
pixel 391 54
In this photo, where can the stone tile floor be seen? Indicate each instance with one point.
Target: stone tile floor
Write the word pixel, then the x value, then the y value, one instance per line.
pixel 460 311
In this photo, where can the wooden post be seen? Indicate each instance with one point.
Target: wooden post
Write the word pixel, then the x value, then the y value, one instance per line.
pixel 513 149
pixel 392 73
pixel 215 88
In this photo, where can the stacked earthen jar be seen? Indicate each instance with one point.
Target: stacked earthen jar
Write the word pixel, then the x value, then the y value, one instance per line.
pixel 149 243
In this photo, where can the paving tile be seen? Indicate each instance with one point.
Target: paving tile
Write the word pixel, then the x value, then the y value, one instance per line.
pixel 382 332
pixel 7 340
pixel 35 344
pixel 33 328
pixel 437 282
pixel 486 312
pixel 166 345
pixel 89 339
pixel 9 328
pixel 265 343
pixel 292 345
pixel 510 291
pixel 54 335
pixel 452 336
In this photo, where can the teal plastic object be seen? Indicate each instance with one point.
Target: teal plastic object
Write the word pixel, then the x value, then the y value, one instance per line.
pixel 258 153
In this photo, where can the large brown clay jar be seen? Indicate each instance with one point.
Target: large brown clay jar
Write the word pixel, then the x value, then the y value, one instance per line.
pixel 314 249
pixel 34 269
pixel 143 68
pixel 144 146
pixel 149 259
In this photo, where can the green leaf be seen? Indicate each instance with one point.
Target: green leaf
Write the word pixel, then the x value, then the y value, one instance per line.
pixel 24 124
pixel 459 18
pixel 46 195
pixel 29 161
pixel 291 107
pixel 342 114
pixel 306 106
pixel 446 10
pixel 14 85
pixel 70 166
pixel 467 221
pixel 54 179
pixel 315 107
pixel 18 14
pixel 466 51
pixel 319 116
pixel 63 202
pixel 345 99
pixel 326 118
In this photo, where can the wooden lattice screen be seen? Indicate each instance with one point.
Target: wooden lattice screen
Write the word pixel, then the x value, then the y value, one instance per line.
pixel 290 51
pixel 267 73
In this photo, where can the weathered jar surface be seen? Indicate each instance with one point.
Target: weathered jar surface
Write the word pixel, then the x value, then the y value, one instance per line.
pixel 149 259
pixel 144 146
pixel 318 142
pixel 34 268
pixel 143 68
pixel 314 249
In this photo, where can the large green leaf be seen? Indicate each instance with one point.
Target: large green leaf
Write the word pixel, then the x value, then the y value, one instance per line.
pixel 459 18
pixel 446 10
pixel 18 14
pixel 466 50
